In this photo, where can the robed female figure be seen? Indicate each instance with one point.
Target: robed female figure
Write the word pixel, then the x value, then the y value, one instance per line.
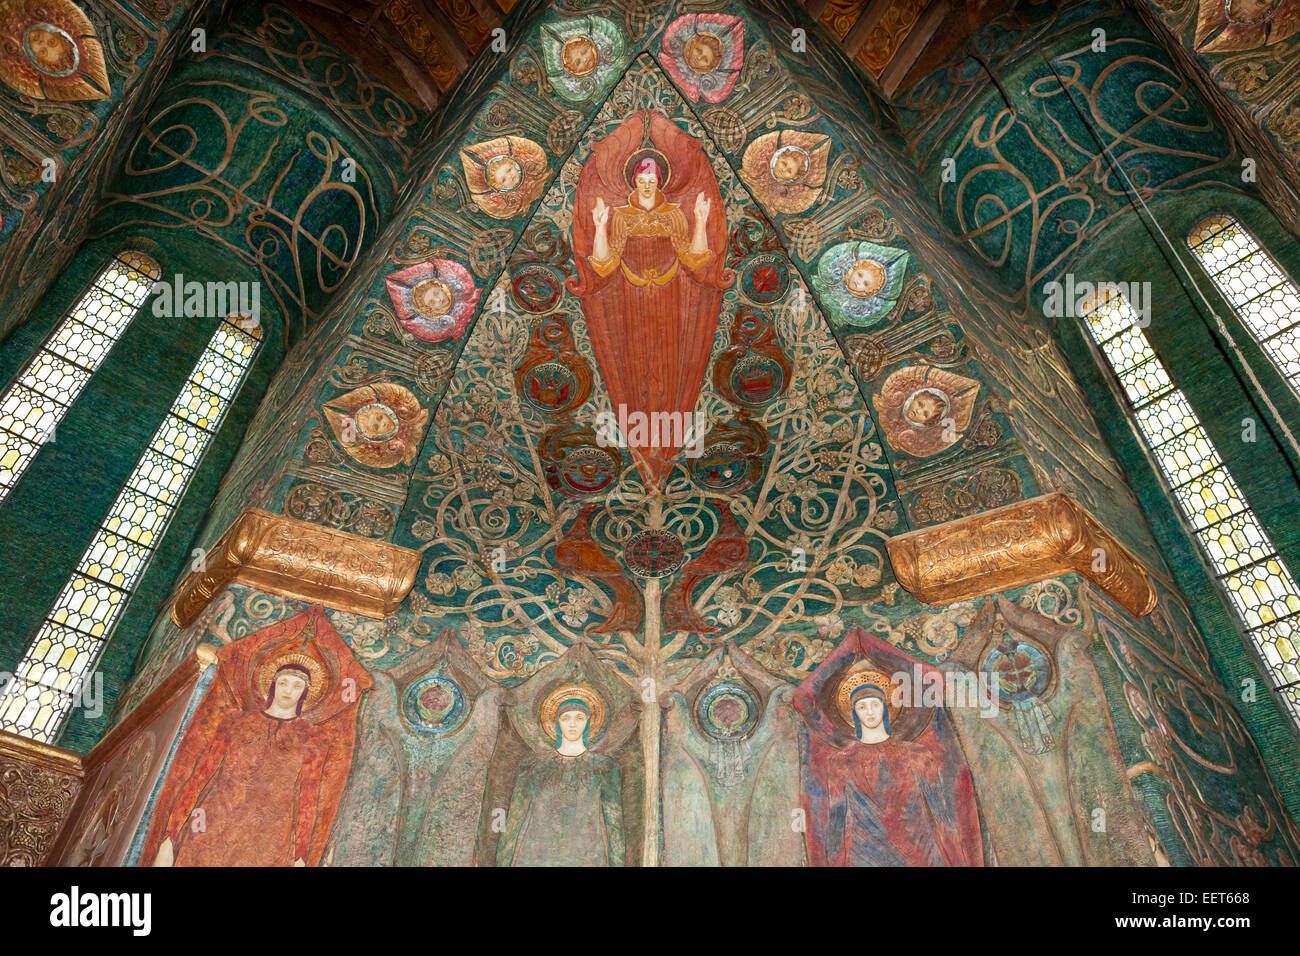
pixel 567 805
pixel 259 772
pixel 883 784
pixel 649 241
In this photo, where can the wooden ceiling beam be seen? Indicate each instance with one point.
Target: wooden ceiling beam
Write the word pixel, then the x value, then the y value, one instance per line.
pixel 816 8
pixel 913 45
pixel 488 12
pixel 866 25
pixel 453 46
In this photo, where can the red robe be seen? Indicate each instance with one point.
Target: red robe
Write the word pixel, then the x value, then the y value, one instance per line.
pixel 899 802
pixel 258 784
pixel 268 788
pixel 652 314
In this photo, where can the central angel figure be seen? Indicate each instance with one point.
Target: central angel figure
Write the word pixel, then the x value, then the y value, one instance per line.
pixel 649 214
pixel 649 280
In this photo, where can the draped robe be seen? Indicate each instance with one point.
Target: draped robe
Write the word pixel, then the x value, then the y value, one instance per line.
pixel 895 803
pixel 651 306
pixel 258 783
pixel 565 811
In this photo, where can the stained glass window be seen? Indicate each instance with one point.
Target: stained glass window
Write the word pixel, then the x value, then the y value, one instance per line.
pixel 1265 298
pixel 1258 585
pixel 48 680
pixel 32 408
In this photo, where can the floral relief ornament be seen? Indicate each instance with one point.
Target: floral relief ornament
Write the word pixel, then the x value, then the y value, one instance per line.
pixel 582 56
pixel 378 425
pixel 1224 26
pixel 504 175
pixel 434 299
pixel 924 410
pixel 786 169
pixel 860 282
pixel 49 50
pixel 703 52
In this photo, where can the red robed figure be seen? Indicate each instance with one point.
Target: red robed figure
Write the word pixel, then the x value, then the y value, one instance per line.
pixel 908 800
pixel 268 786
pixel 649 241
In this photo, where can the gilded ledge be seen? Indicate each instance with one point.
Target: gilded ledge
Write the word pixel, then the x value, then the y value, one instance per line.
pixel 1019 544
pixel 300 560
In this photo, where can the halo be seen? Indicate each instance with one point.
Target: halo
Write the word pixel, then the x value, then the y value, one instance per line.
pixel 878 272
pixel 648 152
pixel 1245 22
pixel 709 40
pixel 927 390
pixel 789 148
pixel 59 32
pixel 315 688
pixel 551 705
pixel 428 283
pixel 394 421
pixel 573 43
pixel 499 160
pixel 859 676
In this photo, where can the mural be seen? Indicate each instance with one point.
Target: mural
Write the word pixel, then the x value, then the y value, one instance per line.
pixel 647 344
pixel 898 791
pixel 259 773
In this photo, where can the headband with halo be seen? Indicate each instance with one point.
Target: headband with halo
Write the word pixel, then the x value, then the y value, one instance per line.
pixel 315 685
pixel 864 675
pixel 551 708
pixel 637 158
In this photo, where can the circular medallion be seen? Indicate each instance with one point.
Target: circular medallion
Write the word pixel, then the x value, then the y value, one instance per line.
pixel 432 298
pixel 580 55
pixel 376 422
pixel 727 710
pixel 703 52
pixel 722 467
pixel 789 164
pixel 549 387
pixel 504 174
pixel 757 379
pixel 865 278
pixel 765 278
pixel 435 704
pixel 51 50
pixel 536 288
pixel 654 554
pixel 589 470
pixel 926 407
pixel 1021 670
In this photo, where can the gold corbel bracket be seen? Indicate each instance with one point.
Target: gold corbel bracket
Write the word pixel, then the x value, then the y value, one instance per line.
pixel 1020 544
pixel 300 560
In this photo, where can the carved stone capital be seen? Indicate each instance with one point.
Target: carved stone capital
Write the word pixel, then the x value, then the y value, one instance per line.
pixel 38 786
pixel 1020 544
pixel 300 560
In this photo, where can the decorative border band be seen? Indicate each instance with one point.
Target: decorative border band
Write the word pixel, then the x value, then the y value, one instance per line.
pixel 300 560
pixel 1019 544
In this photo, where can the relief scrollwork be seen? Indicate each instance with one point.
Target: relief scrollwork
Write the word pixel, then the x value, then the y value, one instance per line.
pixel 1018 545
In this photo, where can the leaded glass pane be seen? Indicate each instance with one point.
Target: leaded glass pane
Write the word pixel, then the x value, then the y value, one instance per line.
pixel 37 401
pixel 72 638
pixel 1264 297
pixel 1256 582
